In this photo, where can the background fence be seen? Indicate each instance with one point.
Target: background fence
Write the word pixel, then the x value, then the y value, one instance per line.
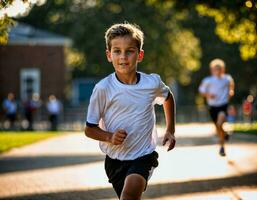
pixel 73 118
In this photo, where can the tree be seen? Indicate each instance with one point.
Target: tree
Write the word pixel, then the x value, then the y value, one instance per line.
pixel 236 21
pixel 10 9
pixel 5 22
pixel 170 49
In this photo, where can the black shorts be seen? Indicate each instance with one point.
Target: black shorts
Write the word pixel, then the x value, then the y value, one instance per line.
pixel 215 110
pixel 118 170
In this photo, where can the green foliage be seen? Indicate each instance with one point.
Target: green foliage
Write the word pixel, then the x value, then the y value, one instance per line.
pixel 5 3
pixel 10 9
pixel 236 21
pixel 245 128
pixel 5 23
pixel 170 49
pixel 233 30
pixel 9 140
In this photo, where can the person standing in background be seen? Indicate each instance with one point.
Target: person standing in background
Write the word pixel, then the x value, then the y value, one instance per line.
pixel 31 105
pixel 218 89
pixel 10 109
pixel 54 108
pixel 248 108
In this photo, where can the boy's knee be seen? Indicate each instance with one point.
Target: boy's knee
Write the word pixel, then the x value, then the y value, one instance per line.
pixel 222 115
pixel 221 118
pixel 129 195
pixel 133 188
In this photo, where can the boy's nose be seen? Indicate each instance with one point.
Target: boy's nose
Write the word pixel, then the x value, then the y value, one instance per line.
pixel 123 56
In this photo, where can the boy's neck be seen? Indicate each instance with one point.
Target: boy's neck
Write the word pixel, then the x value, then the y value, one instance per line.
pixel 219 76
pixel 129 79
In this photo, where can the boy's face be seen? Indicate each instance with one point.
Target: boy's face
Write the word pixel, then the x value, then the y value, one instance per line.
pixel 216 71
pixel 124 55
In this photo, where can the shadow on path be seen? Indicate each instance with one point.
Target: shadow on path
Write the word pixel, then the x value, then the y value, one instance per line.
pixel 210 140
pixel 14 164
pixel 199 186
pixel 153 191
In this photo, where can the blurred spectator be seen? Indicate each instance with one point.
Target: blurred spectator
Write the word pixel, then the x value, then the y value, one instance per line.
pixel 231 118
pixel 10 109
pixel 54 108
pixel 248 108
pixel 30 107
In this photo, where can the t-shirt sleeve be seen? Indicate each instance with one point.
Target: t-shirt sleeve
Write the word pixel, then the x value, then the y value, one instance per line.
pixel 96 106
pixel 203 88
pixel 162 91
pixel 230 79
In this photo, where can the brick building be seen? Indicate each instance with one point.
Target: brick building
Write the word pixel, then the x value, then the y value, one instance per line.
pixel 32 62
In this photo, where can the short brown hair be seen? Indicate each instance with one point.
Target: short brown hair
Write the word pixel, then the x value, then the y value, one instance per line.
pixel 124 29
pixel 217 62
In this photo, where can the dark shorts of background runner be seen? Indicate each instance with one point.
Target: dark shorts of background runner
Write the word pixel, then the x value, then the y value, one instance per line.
pixel 118 170
pixel 215 110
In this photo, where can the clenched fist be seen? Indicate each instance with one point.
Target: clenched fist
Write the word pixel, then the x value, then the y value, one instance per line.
pixel 170 138
pixel 118 137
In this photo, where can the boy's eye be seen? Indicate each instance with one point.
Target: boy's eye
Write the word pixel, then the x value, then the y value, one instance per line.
pixel 129 52
pixel 116 51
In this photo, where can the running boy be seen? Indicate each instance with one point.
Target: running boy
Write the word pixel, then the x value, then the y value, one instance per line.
pixel 218 89
pixel 121 114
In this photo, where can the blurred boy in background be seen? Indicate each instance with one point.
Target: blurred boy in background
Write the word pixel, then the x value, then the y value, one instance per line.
pixel 218 89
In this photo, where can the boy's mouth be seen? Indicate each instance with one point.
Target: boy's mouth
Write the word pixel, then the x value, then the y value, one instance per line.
pixel 123 64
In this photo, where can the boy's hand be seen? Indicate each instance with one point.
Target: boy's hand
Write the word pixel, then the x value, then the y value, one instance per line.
pixel 210 96
pixel 231 93
pixel 118 137
pixel 169 137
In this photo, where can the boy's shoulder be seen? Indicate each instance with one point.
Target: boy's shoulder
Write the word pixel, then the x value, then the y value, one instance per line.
pixel 155 78
pixel 105 82
pixel 228 77
pixel 208 79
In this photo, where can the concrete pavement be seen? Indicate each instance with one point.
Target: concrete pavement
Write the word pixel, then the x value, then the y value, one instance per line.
pixel 71 167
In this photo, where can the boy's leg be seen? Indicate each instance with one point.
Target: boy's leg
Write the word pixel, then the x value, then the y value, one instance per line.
pixel 214 116
pixel 138 175
pixel 130 178
pixel 134 186
pixel 116 171
pixel 219 125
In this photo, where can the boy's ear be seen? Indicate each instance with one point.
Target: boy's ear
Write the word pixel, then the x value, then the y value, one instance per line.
pixel 108 55
pixel 140 55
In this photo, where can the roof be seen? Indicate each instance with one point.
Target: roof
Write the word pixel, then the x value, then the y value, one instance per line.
pixel 22 33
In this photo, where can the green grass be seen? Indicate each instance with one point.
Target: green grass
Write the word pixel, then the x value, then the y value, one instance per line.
pixel 9 140
pixel 246 128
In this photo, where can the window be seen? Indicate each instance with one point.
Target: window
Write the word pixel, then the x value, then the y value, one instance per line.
pixel 29 82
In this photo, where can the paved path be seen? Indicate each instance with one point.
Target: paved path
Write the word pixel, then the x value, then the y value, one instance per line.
pixel 71 167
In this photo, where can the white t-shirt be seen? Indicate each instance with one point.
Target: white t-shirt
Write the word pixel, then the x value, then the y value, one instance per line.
pixel 128 107
pixel 217 86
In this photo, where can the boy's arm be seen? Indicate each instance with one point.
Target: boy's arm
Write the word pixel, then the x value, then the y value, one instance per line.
pixel 95 108
pixel 207 95
pixel 169 111
pixel 99 134
pixel 204 91
pixel 231 88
